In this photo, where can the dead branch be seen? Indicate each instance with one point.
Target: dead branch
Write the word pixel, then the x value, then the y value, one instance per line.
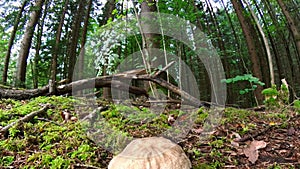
pixel 26 118
pixel 113 81
pixel 163 69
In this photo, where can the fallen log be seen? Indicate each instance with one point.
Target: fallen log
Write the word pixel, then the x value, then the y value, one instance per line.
pixel 105 81
pixel 114 81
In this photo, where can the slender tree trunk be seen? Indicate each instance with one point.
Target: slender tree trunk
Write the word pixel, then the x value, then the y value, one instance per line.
pixel 108 9
pixel 292 24
pixel 203 79
pixel 296 38
pixel 265 40
pixel 65 56
pixel 74 39
pixel 245 24
pixel 38 47
pixel 221 45
pixel 83 40
pixel 26 44
pixel 151 40
pixel 79 73
pixel 56 46
pixel 232 96
pixel 11 42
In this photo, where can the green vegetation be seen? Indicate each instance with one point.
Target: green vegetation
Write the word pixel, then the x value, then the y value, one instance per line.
pixel 253 82
pixel 58 144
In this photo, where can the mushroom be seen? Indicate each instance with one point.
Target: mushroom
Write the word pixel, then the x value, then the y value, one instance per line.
pixel 151 153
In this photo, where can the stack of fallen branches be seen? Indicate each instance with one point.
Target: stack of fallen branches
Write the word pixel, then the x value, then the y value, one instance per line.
pixel 113 81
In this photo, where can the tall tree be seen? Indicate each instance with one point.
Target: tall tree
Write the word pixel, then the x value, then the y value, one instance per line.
pixel 291 24
pixel 26 43
pixel 266 43
pixel 56 45
pixel 246 28
pixel 38 44
pixel 11 42
pixel 72 49
pixel 287 67
pixel 220 42
pixel 83 40
pixel 107 15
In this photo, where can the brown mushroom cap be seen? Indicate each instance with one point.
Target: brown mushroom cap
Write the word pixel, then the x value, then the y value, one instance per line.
pixel 151 153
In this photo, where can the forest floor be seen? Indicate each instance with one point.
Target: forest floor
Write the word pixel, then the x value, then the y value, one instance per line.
pixel 244 138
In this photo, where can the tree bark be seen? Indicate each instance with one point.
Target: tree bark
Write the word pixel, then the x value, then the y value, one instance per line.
pixel 38 47
pixel 56 45
pixel 83 40
pixel 245 24
pixel 26 44
pixel 108 9
pixel 104 81
pixel 11 42
pixel 265 40
pixel 72 52
pixel 291 24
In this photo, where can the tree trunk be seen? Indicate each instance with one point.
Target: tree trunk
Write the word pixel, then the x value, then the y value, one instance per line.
pixel 151 39
pixel 38 47
pixel 292 24
pixel 56 46
pixel 108 9
pixel 221 46
pixel 83 40
pixel 296 37
pixel 26 44
pixel 72 52
pixel 245 24
pixel 11 42
pixel 265 40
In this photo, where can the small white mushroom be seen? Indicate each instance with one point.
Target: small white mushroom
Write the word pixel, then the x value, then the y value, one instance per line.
pixel 151 153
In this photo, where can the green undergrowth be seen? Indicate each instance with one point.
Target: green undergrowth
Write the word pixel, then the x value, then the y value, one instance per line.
pixel 53 143
pixel 43 144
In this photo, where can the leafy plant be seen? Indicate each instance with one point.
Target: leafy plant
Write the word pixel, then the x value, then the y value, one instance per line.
pixel 271 95
pixel 254 81
pixel 297 105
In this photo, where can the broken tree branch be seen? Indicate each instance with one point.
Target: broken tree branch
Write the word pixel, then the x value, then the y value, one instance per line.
pixel 163 69
pixel 113 81
pixel 26 118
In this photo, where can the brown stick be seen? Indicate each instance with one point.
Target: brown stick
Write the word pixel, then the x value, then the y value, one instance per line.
pixel 162 70
pixel 26 118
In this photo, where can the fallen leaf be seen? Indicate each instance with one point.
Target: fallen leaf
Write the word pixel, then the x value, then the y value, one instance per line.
pixel 235 144
pixel 258 144
pixel 252 151
pixel 291 131
pixel 198 131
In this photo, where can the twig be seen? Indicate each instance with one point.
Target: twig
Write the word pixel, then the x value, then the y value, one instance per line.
pixel 248 137
pixel 26 118
pixel 163 69
pixel 43 119
pixel 87 166
pixel 164 101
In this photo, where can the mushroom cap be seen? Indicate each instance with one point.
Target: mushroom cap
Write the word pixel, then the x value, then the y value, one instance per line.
pixel 151 153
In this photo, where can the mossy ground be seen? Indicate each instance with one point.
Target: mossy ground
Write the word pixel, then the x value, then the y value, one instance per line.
pixel 49 142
